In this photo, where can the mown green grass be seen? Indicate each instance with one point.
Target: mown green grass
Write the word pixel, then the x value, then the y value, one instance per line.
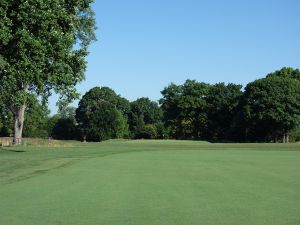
pixel 151 182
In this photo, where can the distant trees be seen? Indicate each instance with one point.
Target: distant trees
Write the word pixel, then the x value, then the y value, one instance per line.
pixel 36 118
pixel 184 109
pixel 63 125
pixel 145 118
pixel 198 110
pixel 100 115
pixel 267 110
pixel 272 108
pixel 222 109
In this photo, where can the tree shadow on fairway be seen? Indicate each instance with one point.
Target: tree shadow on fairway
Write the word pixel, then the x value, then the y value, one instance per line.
pixel 15 150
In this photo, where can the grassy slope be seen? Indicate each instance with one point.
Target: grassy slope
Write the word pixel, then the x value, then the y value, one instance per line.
pixel 151 182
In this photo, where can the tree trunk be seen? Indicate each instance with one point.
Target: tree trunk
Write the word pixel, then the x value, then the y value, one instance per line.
pixel 19 113
pixel 286 138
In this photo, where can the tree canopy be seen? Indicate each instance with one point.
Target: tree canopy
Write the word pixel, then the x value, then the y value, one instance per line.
pixel 98 116
pixel 286 72
pixel 43 45
pixel 222 108
pixel 272 107
pixel 144 117
pixel 184 109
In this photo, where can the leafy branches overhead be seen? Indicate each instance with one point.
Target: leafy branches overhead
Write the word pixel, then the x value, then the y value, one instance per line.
pixel 43 46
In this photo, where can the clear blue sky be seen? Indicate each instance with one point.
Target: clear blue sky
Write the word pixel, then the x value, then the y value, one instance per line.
pixel 144 45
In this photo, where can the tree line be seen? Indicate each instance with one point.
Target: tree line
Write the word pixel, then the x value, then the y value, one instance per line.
pixel 43 49
pixel 266 110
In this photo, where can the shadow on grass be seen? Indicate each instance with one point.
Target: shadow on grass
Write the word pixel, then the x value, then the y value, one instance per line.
pixel 17 151
pixel 14 150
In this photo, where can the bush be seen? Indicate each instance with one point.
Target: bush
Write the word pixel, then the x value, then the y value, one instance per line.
pixel 148 132
pixel 295 135
pixel 65 129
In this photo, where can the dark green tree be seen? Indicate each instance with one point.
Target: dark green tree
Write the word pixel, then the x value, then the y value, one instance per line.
pixel 98 118
pixel 222 112
pixel 35 124
pixel 143 112
pixel 184 109
pixel 109 95
pixel 6 121
pixel 43 45
pixel 62 126
pixel 286 72
pixel 36 117
pixel 51 123
pixel 148 131
pixel 272 108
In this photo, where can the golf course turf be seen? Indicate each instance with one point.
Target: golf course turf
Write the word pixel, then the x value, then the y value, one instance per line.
pixel 150 183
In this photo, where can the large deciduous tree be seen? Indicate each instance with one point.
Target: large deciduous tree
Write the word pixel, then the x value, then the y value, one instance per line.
pixel 222 111
pixel 185 109
pixel 43 45
pixel 145 115
pixel 272 107
pixel 100 115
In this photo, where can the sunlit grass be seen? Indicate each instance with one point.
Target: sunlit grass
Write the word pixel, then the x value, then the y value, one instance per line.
pixel 150 182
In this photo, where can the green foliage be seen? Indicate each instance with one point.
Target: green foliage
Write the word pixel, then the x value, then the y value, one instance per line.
pixel 43 45
pixel 6 117
pixel 63 125
pixel 272 107
pixel 162 131
pixel 185 109
pixel 144 112
pixel 108 95
pixel 146 108
pixel 67 112
pixel 149 131
pixel 286 72
pixel 295 135
pixel 98 116
pixel 222 111
pixel 51 123
pixel 65 129
pixel 35 121
pixel 37 46
pixel 6 121
pixel 36 117
pixel 268 109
